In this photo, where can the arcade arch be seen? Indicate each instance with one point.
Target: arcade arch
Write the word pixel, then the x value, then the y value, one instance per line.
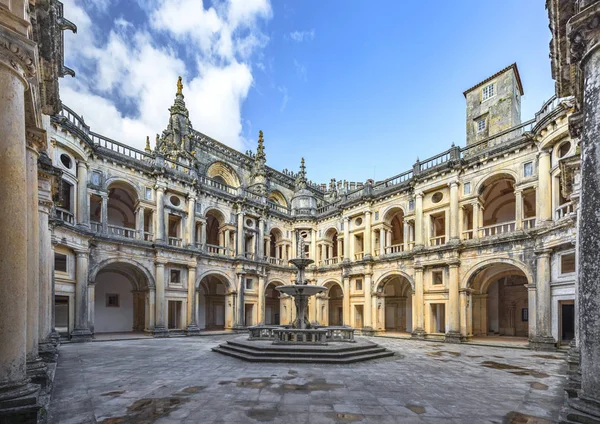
pixel 394 304
pixel 216 303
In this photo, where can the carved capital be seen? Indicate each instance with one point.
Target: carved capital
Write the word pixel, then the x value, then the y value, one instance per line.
pixel 18 53
pixel 36 139
pixel 584 33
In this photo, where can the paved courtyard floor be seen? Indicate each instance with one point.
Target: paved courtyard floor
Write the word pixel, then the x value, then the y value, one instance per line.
pixel 182 380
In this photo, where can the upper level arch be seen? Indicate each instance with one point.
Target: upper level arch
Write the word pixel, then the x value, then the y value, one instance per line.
pixel 223 173
pixel 389 276
pixel 494 268
pixel 217 275
pixel 278 197
pixel 137 273
pixel 392 212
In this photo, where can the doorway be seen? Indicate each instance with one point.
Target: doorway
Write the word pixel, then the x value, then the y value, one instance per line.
pixel 567 321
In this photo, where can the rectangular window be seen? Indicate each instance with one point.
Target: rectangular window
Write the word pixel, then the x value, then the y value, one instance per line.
pixel 437 278
pixel 567 263
pixel 528 169
pixel 65 195
pixel 112 300
pixel 467 188
pixel 359 285
pixel 377 216
pixel 148 193
pixel 481 125
pixel 487 92
pixel 249 284
pixel 60 262
pixel 96 178
pixel 411 205
pixel 175 276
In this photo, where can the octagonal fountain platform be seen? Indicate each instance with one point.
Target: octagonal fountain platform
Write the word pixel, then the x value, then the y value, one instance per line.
pixel 302 342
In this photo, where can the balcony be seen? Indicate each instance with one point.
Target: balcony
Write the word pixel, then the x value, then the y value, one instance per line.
pixel 437 241
pixel 564 210
pixel 125 232
pixel 215 250
pixel 275 261
pixel 396 248
pixel 497 229
pixel 148 236
pixel 467 235
pixel 529 223
pixel 174 241
pixel 359 256
pixel 96 227
pixel 329 261
pixel 65 216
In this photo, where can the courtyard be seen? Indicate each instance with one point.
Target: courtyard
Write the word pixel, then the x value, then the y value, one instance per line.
pixel 182 380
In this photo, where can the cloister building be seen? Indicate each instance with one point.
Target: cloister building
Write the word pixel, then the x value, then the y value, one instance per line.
pixel 190 235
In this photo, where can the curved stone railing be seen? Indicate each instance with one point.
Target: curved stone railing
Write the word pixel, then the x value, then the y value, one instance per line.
pixel 300 336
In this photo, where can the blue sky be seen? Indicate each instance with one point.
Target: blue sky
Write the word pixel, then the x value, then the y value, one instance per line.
pixel 359 88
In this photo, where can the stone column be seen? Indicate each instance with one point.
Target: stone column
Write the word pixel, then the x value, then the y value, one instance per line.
pixel 191 221
pixel 544 193
pixel 465 303
pixel 381 241
pixel 584 28
pixel 83 212
pixel 419 220
pixel 240 301
pixel 368 303
pixel 92 305
pixel 347 239
pixel 418 322
pixel 368 248
pixel 104 213
pixel 203 234
pixel 240 233
pixel 81 332
pixel 47 349
pixel 454 236
pixel 36 369
pixel 261 239
pixel 192 327
pixel 453 332
pixel 139 221
pixel 151 309
pixel 261 299
pixel 313 244
pixel 160 216
pixel 518 210
pixel 160 328
pixel 405 235
pixel 476 220
pixel 543 339
pixel 346 301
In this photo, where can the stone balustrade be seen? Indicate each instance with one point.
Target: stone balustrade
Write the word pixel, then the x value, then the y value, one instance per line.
pixel 300 336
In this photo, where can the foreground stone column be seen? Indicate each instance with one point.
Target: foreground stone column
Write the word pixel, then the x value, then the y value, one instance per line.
pixel 240 302
pixel 83 212
pixel 419 220
pixel 418 322
pixel 465 313
pixel 81 332
pixel 543 339
pixel 160 328
pixel 261 299
pixel 368 326
pixel 544 192
pixel 18 398
pixel 151 302
pixel 192 328
pixel 453 334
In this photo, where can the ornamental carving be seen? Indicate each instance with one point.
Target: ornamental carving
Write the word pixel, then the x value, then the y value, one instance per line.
pixel 20 57
pixel 584 33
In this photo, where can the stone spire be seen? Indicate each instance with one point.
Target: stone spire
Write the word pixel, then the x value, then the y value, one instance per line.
pixel 176 140
pixel 301 178
pixel 259 173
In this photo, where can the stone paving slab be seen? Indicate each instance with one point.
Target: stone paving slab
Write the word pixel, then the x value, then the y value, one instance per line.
pixel 182 381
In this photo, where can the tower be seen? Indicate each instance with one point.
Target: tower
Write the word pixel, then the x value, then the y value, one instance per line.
pixel 494 104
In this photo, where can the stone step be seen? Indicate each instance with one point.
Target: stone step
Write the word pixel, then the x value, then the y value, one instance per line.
pixel 303 354
pixel 225 350
pixel 265 346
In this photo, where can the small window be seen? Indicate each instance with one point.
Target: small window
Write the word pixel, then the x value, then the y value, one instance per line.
pixel 175 200
pixel 525 314
pixel 411 205
pixel 358 222
pixel 437 278
pixel 359 285
pixel 564 149
pixel 481 125
pixel 65 195
pixel 96 178
pixel 249 223
pixel 467 188
pixel 148 193
pixel 437 197
pixel 112 300
pixel 487 92
pixel 528 169
pixel 60 262
pixel 66 161
pixel 377 216
pixel 249 284
pixel 567 263
pixel 175 276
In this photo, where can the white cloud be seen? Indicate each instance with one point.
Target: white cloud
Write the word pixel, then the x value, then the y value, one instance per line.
pixel 285 97
pixel 300 70
pixel 301 36
pixel 126 80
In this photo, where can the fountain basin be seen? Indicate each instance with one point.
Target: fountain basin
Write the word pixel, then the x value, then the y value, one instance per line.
pixel 301 290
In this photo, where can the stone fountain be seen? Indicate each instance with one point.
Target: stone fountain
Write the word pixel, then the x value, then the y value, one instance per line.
pixel 302 342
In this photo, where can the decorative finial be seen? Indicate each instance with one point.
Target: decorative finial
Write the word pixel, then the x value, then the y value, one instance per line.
pixel 179 86
pixel 147 144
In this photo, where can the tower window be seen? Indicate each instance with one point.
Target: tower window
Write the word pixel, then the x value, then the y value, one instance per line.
pixel 480 125
pixel 487 92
